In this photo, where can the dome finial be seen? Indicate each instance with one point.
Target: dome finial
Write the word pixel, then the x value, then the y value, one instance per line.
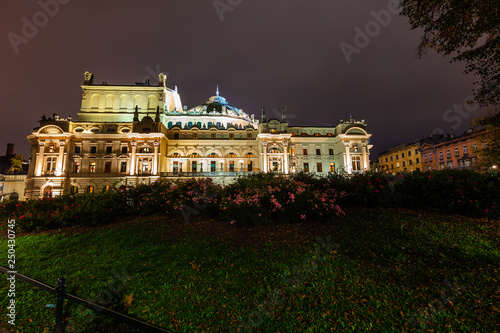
pixel 217 90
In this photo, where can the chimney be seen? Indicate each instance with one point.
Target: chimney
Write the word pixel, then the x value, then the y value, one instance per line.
pixel 10 149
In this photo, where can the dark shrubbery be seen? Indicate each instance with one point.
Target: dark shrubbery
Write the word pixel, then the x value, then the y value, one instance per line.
pixel 262 198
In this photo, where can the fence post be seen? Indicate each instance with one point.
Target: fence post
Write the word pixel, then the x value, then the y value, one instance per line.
pixel 59 327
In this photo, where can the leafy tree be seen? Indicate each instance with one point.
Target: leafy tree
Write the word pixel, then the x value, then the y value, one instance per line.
pixel 467 29
pixel 491 153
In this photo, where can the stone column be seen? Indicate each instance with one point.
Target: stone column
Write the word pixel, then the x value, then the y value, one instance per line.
pixel 285 157
pixel 59 166
pixel 133 157
pixel 264 164
pixel 156 144
pixel 348 166
pixel 39 158
pixel 364 161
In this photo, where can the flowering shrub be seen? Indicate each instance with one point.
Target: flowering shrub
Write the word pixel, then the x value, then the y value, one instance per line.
pixel 276 198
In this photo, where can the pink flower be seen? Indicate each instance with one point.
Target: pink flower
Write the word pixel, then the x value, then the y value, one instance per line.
pixel 303 216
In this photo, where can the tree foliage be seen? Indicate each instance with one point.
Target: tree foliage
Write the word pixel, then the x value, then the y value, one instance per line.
pixel 491 153
pixel 467 29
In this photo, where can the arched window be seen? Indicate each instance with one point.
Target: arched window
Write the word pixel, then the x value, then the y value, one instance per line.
pixel 274 151
pixel 95 102
pixel 47 192
pixel 90 189
pixel 14 196
pixel 176 155
pixel 123 101
pixel 195 155
pixel 73 190
pixel 249 155
pixel 213 155
pixel 152 103
pixel 138 102
pixel 146 150
pixel 109 101
pixel 231 155
pixel 169 125
pixel 106 188
pixel 190 124
pixel 198 123
pixel 210 123
pixel 122 188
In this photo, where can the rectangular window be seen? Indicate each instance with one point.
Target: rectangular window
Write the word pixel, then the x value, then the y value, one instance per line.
pixel 450 165
pixel 92 167
pixel 332 167
pixel 304 151
pixel 430 157
pixel 77 149
pixel 474 146
pixel 212 165
pixel 485 145
pixel 410 162
pixel 176 136
pixel 123 167
pixel 292 151
pixel 175 166
pixel 466 150
pixel 213 136
pixel 448 153
pixel 250 166
pixel 124 149
pixel 425 158
pixel 386 160
pixel 461 164
pixel 249 136
pixel 402 155
pixel 76 167
pixel 409 153
pixel 319 167
pixel 93 149
pixel 391 157
pixel 404 163
pixel 467 163
pixel 330 151
pixel 416 151
pixel 194 166
pixel 397 156
pixel 457 152
pixel 306 167
pixel 441 166
pixel 417 160
pixel 107 167
pixel 109 149
pixel 195 136
pixel 318 151
pixel 231 136
pixel 231 166
pixel 440 155
pixel 356 163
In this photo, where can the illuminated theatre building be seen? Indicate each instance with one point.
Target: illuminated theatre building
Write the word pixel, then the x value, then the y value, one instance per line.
pixel 129 135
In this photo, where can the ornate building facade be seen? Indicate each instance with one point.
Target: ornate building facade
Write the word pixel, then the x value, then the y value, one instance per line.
pixel 136 134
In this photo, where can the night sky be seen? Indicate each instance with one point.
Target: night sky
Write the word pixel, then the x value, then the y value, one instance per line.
pixel 260 53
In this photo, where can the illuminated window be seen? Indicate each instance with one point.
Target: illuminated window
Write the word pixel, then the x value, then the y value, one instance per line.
pixel 317 134
pixel 329 134
pixel 90 189
pixel 231 155
pixel 47 192
pixel 176 155
pixel 51 164
pixel 249 136
pixel 274 151
pixel 195 136
pixel 250 166
pixel 332 167
pixel 195 155
pixel 450 165
pixel 356 163
pixel 249 155
pixel 213 136
pixel 145 166
pixel 92 167
pixel 146 150
pixel 106 188
pixel 231 136
pixel 303 134
pixel 213 155
pixel 319 167
pixel 292 151
pixel 76 167
pixel 306 167
pixel 123 167
pixel 73 190
pixel 231 166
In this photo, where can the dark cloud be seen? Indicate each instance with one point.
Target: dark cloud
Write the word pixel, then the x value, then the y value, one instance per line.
pixel 270 53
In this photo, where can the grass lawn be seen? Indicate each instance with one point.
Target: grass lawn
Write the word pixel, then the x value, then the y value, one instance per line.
pixel 378 270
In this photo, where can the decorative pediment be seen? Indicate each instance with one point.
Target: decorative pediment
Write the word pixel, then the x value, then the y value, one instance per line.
pixel 51 129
